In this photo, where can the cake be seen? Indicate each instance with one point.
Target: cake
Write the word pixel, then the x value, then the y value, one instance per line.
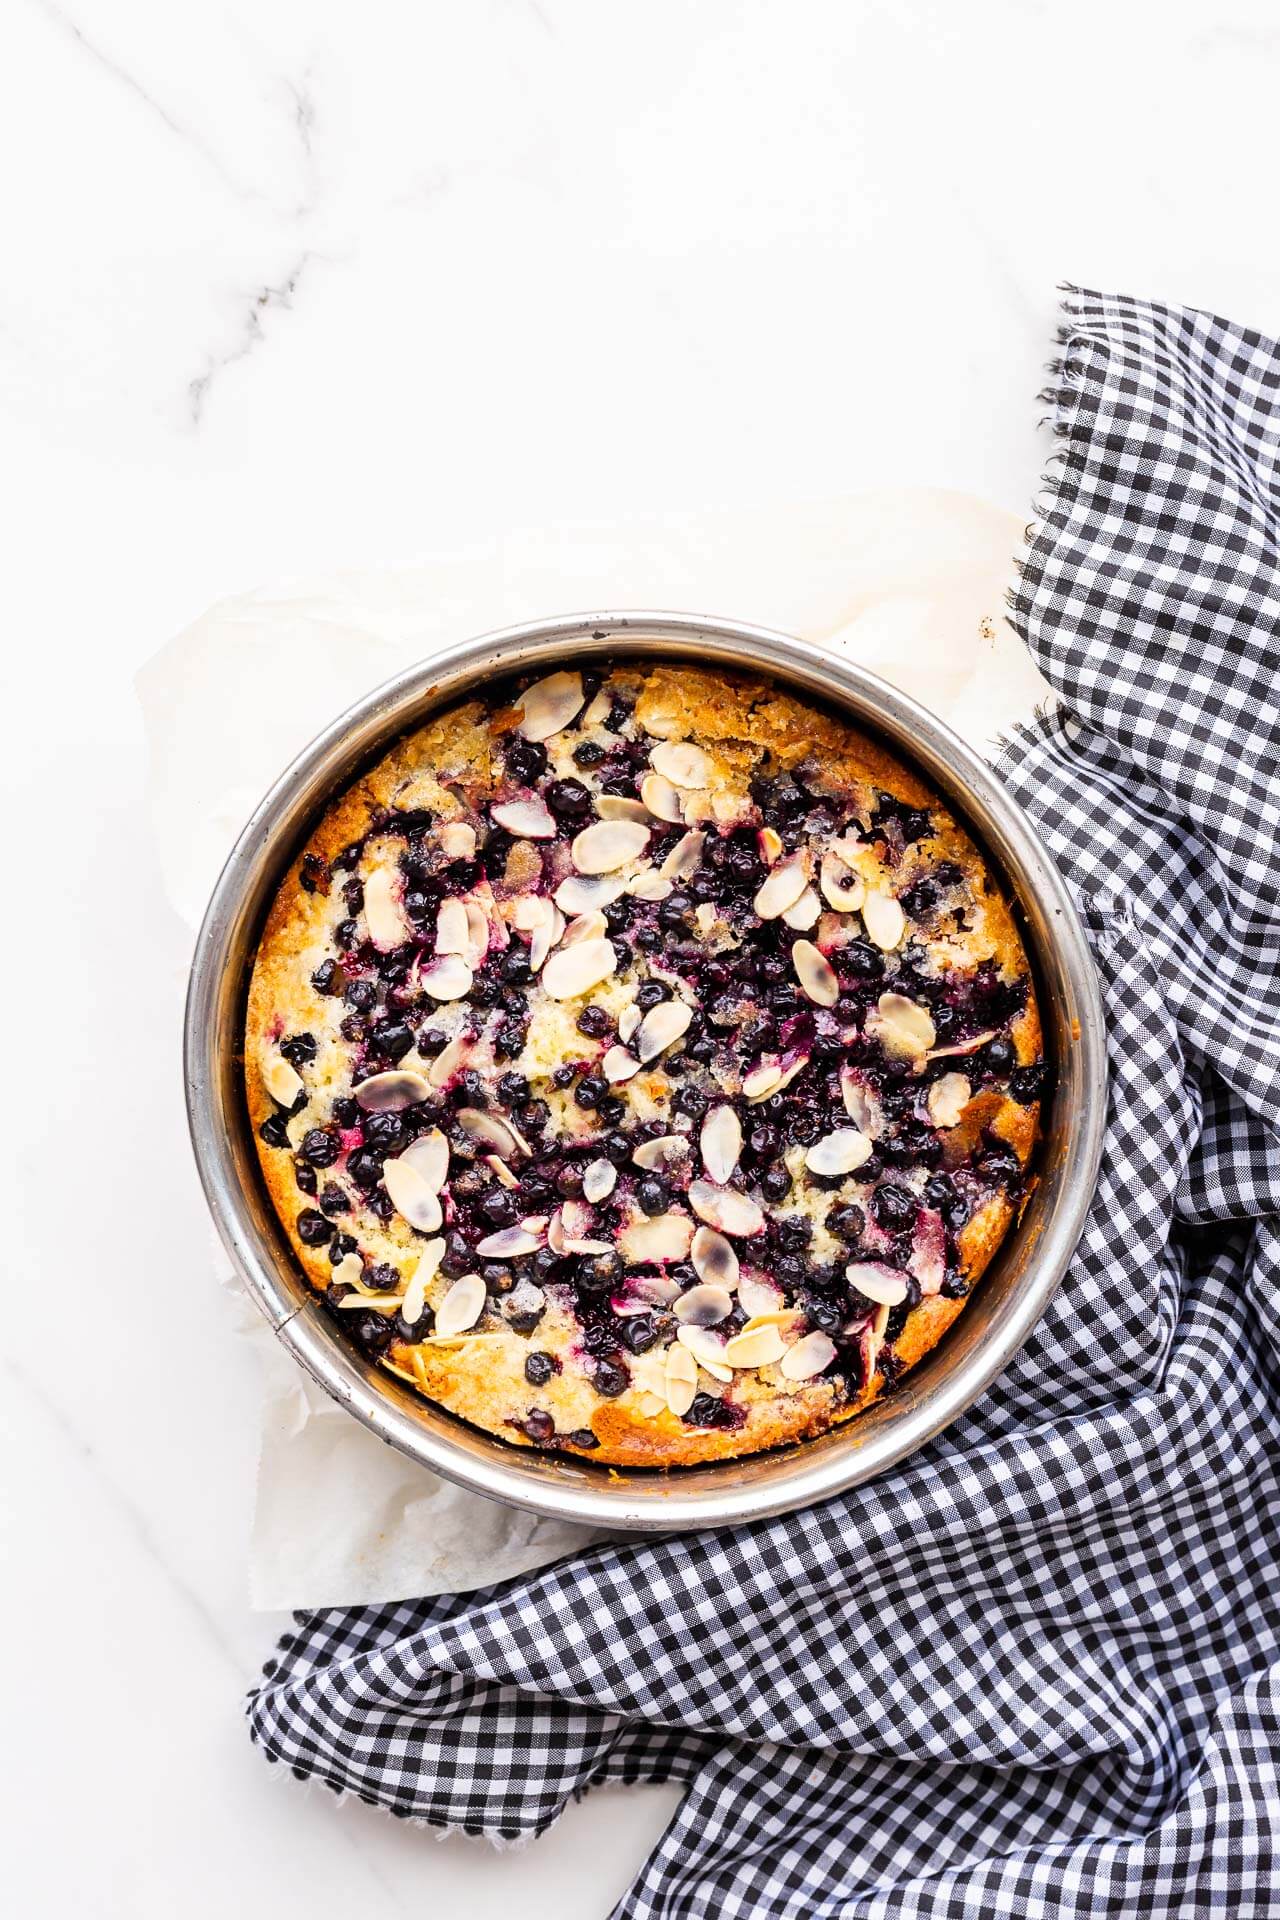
pixel 644 1064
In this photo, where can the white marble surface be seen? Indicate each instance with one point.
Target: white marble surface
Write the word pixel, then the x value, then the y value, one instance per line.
pixel 293 287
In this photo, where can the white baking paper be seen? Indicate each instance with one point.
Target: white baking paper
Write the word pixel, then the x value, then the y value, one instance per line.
pixel 909 583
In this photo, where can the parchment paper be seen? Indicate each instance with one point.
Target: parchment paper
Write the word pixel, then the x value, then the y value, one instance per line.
pixel 910 584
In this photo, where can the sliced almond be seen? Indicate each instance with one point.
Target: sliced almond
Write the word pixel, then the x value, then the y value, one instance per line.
pixel 591 925
pixel 808 1357
pixel 817 976
pixel 489 1131
pixel 769 841
pixel 720 1142
pixel 446 1063
pixel 707 1349
pixel 283 1081
pixel 457 840
pixel 662 799
pixel 429 1157
pixel 383 912
pixel 599 1180
pixel 725 1208
pixel 528 819
pixel 478 933
pixel 861 1103
pixel 948 1098
pixel 790 1069
pixel 391 1092
pixel 608 845
pixel 620 806
pixel 757 1295
pixel 665 1237
pixel 703 1306
pixel 452 932
pixel 781 888
pixel 509 1243
pixel 502 1172
pixel 661 1027
pixel 545 935
pixel 754 1347
pixel 681 1379
pixel 884 920
pixel 549 705
pixel 806 912
pixel 875 1281
pixel 837 1153
pixel 668 1147
pixel 619 1065
pixel 580 895
pixel 411 1196
pixel 448 978
pixel 461 1306
pixel 598 712
pixel 841 888
pixel 415 1294
pixel 349 1272
pixel 761 1080
pixel 650 885
pixel 902 1026
pixel 681 762
pixel 574 970
pixel 963 1047
pixel 654 1289
pixel 714 1260
pixel 685 857
pixel 628 1020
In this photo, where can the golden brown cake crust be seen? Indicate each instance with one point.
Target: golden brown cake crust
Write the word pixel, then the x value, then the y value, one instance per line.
pixel 889 997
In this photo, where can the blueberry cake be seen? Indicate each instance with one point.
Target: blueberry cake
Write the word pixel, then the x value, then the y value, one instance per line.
pixel 644 1063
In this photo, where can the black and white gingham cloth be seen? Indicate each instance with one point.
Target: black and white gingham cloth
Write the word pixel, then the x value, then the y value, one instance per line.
pixel 1034 1670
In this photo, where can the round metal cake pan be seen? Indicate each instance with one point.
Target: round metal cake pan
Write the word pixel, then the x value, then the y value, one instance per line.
pixel 1006 1304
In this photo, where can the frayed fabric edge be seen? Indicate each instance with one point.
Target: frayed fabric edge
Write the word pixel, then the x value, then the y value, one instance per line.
pixel 1050 501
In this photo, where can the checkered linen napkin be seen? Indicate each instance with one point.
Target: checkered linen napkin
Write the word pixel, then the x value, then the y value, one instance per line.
pixel 1034 1670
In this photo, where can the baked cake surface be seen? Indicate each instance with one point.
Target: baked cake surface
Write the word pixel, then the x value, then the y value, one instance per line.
pixel 644 1064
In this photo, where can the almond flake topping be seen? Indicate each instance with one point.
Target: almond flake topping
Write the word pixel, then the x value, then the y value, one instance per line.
pixel 453 934
pixel 628 1020
pixel 411 1196
pixel 661 1027
pixel 725 1208
pixel 681 1379
pixel 619 1065
pixel 841 888
pixel 591 925
pixel 754 1347
pixel 806 912
pixel 875 1281
pixel 429 1158
pixel 668 1147
pixel 662 799
pixel 781 888
pixel 948 1098
pixel 714 1260
pixel 721 1143
pixel 861 1104
pixel 501 1172
pixel 963 1047
pixel 704 1306
pixel 448 978
pixel 884 920
pixel 599 1180
pixel 840 1152
pixel 707 1349
pixel 457 840
pixel 761 1080
pixel 607 845
pixel 580 895
pixel 576 969
pixel 549 929
pixel 685 856
pixel 665 1237
pixel 489 1131
pixel 903 1026
pixel 461 1306
pixel 817 976
pixel 757 1295
pixel 445 1064
pixel 509 1243
pixel 620 806
pixel 383 912
pixel 649 884
pixel 528 819
pixel 283 1081
pixel 415 1294
pixel 550 705
pixel 681 762
pixel 391 1092
pixel 769 841
pixel 810 1356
